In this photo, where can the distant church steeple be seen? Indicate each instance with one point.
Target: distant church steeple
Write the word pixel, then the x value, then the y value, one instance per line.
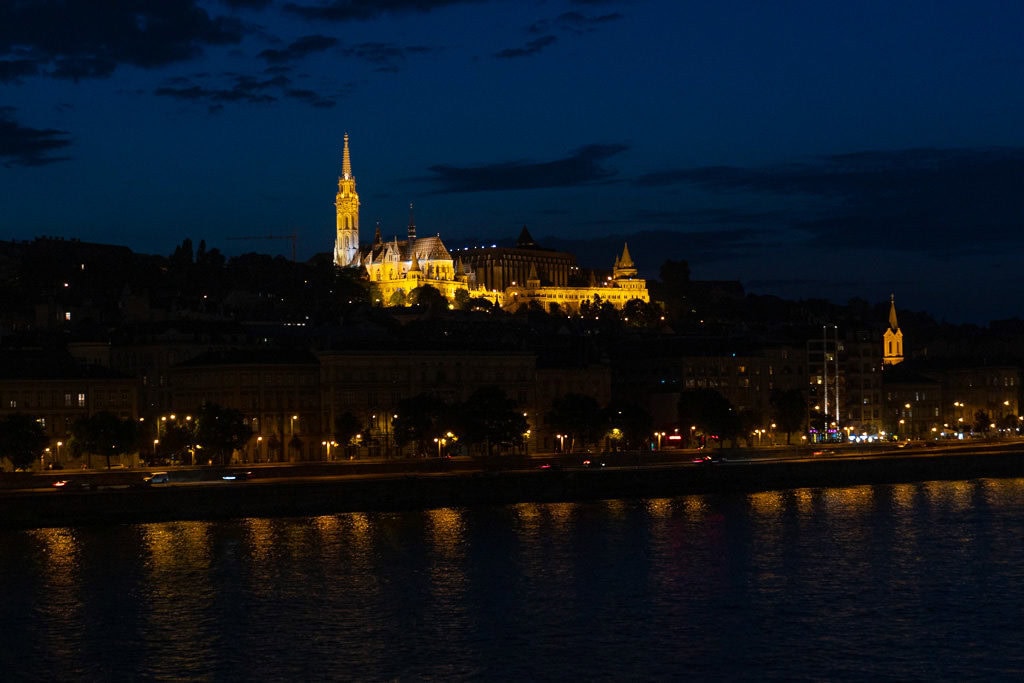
pixel 346 204
pixel 412 226
pixel 892 340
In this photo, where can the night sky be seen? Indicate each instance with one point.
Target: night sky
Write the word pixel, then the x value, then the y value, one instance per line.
pixel 807 149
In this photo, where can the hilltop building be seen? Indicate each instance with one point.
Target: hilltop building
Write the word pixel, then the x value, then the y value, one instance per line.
pixel 510 277
pixel 617 289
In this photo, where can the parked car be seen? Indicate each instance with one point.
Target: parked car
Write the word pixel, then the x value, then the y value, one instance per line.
pixel 158 478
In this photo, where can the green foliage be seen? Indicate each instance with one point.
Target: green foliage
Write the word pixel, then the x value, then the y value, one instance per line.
pixel 489 417
pixel 220 431
pixel 346 427
pixel 577 416
pixel 789 410
pixel 428 297
pixel 22 440
pixel 104 434
pixel 628 424
pixel 710 412
pixel 398 298
pixel 419 421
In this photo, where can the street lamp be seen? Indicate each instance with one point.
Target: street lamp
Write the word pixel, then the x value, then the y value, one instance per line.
pixel 658 436
pixel 292 423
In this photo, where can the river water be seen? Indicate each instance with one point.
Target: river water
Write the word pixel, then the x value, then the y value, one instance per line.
pixel 897 582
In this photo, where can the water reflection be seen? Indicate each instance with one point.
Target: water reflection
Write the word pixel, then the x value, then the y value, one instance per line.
pixel 866 580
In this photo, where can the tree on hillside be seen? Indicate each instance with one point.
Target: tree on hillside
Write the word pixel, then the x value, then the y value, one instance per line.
pixel 22 440
pixel 789 410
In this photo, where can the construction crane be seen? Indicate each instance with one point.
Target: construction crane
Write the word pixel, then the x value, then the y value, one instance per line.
pixel 294 237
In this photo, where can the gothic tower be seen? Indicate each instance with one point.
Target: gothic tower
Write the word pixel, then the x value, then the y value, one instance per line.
pixel 346 204
pixel 892 340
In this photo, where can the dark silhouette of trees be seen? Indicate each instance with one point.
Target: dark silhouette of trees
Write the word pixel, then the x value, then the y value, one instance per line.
pixel 488 418
pixel 710 412
pixel 577 417
pixel 419 421
pixel 22 440
pixel 346 427
pixel 789 410
pixel 103 434
pixel 220 431
pixel 629 425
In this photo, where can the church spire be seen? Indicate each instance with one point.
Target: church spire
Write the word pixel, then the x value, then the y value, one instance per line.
pixel 346 205
pixel 346 161
pixel 412 226
pixel 892 340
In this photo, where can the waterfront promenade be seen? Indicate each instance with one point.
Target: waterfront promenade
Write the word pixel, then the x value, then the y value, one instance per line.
pixel 122 496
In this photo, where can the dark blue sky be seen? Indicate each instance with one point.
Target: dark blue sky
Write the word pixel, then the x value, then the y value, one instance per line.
pixel 808 149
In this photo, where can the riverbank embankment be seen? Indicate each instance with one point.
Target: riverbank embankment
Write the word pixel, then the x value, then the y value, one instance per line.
pixel 303 496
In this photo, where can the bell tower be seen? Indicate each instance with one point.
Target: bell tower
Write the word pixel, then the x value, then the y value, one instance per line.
pixel 346 204
pixel 892 340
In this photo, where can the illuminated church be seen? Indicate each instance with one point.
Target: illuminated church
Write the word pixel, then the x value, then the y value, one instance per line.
pixel 396 267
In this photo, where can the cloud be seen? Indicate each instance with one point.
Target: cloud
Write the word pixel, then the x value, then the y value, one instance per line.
pixel 242 89
pixel 77 39
pixel 300 48
pixel 385 56
pixel 531 48
pixel 13 70
pixel 583 167
pixel 942 201
pixel 247 4
pixel 24 146
pixel 362 10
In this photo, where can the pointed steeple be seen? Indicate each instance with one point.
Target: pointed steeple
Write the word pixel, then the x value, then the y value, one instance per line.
pixel 626 261
pixel 415 267
pixel 346 161
pixel 346 204
pixel 892 340
pixel 525 240
pixel 624 266
pixel 412 226
pixel 377 239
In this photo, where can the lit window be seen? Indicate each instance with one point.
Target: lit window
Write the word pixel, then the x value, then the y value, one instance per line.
pixel 67 315
pixel 81 400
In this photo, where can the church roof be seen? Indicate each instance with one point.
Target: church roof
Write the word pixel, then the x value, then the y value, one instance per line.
pixel 425 248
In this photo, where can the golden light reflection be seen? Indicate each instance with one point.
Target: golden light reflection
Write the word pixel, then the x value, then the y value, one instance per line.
pixel 903 496
pixel 767 503
pixel 326 524
pixel 177 545
pixel 447 531
pixel 261 537
pixel 659 508
pixel 851 500
pixel 616 507
pixel 61 548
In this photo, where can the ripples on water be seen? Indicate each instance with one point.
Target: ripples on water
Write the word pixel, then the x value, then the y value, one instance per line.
pixel 906 582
